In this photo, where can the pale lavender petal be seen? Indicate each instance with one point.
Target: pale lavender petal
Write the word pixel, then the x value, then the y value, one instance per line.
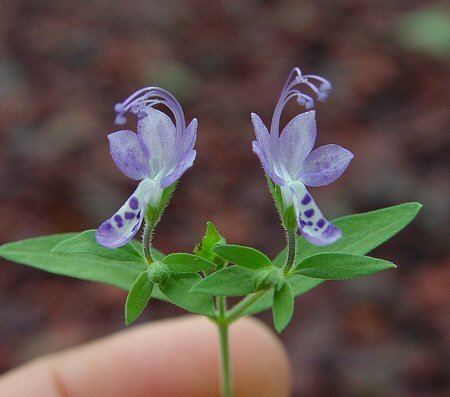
pixel 124 224
pixel 262 134
pixel 324 165
pixel 263 150
pixel 184 163
pixel 129 155
pixel 157 132
pixel 190 136
pixel 268 166
pixel 312 224
pixel 297 141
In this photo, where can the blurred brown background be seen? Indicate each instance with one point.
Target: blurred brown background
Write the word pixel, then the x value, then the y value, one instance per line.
pixel 65 63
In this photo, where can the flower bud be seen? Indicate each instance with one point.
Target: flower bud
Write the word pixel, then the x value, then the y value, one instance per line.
pixel 268 278
pixel 158 273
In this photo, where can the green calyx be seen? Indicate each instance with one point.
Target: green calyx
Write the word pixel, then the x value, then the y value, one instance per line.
pixel 268 278
pixel 289 218
pixel 158 273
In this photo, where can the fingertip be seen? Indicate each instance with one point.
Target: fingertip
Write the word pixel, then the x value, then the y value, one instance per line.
pixel 261 363
pixel 162 359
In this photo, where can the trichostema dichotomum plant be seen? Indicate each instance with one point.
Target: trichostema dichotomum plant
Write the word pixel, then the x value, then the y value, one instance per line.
pixel 200 282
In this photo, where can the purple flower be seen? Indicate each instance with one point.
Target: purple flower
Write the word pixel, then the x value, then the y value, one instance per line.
pixel 157 156
pixel 288 160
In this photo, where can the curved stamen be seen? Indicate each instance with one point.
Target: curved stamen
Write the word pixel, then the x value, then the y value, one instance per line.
pixel 290 82
pixel 312 86
pixel 325 86
pixel 288 92
pixel 149 97
pixel 306 101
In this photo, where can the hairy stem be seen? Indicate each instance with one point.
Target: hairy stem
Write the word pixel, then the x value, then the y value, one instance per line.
pixel 147 240
pixel 291 237
pixel 243 305
pixel 223 325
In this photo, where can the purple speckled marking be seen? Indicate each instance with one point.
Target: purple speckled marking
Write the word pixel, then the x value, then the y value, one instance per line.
pixel 309 213
pixel 309 223
pixel 129 215
pixel 306 199
pixel 321 223
pixel 134 203
pixel 109 227
pixel 302 222
pixel 119 221
pixel 138 215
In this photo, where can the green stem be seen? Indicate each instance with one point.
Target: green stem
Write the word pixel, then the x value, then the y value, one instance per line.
pixel 244 304
pixel 147 240
pixel 223 325
pixel 291 237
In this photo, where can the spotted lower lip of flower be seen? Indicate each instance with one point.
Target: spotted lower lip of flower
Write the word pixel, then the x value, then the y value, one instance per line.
pixel 157 155
pixel 288 158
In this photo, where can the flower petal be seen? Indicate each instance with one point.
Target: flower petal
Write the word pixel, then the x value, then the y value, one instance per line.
pixel 125 223
pixel 313 226
pixel 190 135
pixel 157 132
pixel 324 165
pixel 266 164
pixel 261 132
pixel 297 141
pixel 183 164
pixel 129 155
pixel 262 149
pixel 186 158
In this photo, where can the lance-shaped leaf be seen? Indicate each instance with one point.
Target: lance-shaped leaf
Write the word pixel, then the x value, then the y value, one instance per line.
pixel 247 257
pixel 37 253
pixel 187 263
pixel 211 238
pixel 362 232
pixel 230 281
pixel 178 290
pixel 138 298
pixel 85 243
pixel 283 307
pixel 333 266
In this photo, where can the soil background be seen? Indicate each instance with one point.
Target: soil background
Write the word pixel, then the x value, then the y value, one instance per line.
pixel 64 64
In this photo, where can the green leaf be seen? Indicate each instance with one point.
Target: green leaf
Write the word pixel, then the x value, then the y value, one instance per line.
pixel 138 298
pixel 283 307
pixel 247 257
pixel 37 253
pixel 299 285
pixel 85 243
pixel 332 266
pixel 187 263
pixel 362 232
pixel 230 281
pixel 156 255
pixel 178 290
pixel 211 238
